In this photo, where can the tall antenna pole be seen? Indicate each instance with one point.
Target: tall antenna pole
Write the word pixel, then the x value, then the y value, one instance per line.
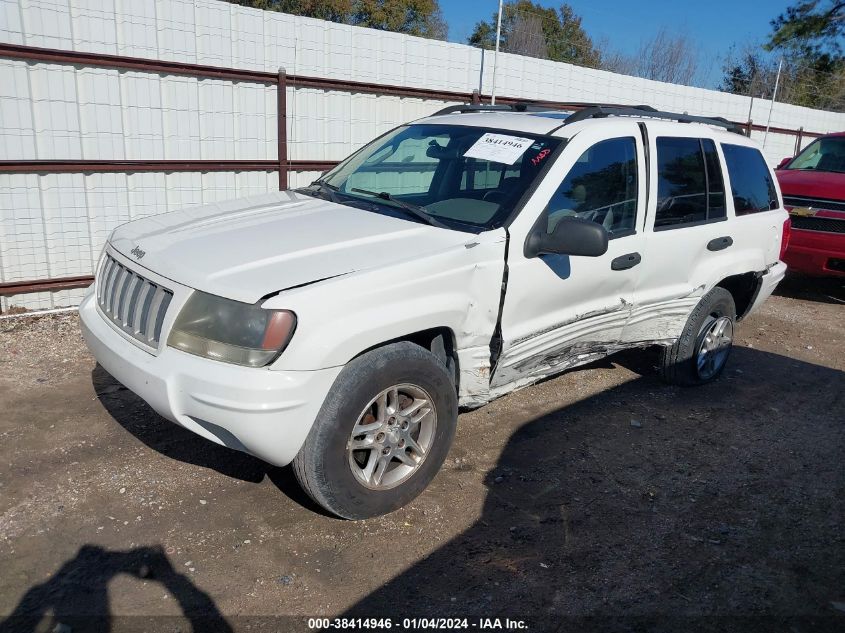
pixel 772 104
pixel 496 54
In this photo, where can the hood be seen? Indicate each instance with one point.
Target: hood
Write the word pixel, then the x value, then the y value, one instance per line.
pixel 812 184
pixel 248 248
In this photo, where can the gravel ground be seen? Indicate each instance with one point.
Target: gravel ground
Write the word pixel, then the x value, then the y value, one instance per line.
pixel 600 499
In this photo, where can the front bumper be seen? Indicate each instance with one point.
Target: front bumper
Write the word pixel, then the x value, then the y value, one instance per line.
pixel 259 411
pixel 811 252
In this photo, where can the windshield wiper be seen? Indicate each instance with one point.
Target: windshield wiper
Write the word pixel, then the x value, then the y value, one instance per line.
pixel 415 210
pixel 329 190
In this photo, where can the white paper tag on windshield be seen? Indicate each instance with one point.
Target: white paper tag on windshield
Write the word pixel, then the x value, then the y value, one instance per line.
pixel 499 148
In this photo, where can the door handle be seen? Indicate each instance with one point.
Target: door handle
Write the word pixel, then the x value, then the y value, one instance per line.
pixel 623 262
pixel 719 243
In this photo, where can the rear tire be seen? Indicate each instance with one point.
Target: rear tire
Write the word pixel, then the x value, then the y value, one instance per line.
pixel 701 352
pixel 373 448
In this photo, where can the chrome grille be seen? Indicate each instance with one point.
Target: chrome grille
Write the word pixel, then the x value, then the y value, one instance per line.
pixel 814 203
pixel 135 304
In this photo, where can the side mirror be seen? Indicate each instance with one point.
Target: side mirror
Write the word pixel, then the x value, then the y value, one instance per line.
pixel 572 236
pixel 784 162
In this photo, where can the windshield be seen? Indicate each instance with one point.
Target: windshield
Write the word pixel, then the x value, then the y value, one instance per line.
pixel 823 154
pixel 468 178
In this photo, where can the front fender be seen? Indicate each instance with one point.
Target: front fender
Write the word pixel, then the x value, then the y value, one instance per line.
pixel 339 318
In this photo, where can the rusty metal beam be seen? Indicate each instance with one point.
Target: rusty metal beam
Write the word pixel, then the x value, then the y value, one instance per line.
pixel 313 165
pixel 343 85
pixel 36 54
pixel 101 60
pixel 785 130
pixel 44 285
pixel 282 128
pixel 133 166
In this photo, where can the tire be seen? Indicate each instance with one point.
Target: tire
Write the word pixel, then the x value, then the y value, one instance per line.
pixel 335 477
pixel 680 364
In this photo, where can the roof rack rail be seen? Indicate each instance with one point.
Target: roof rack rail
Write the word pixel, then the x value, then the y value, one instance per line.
pixel 583 111
pixel 600 111
pixel 478 107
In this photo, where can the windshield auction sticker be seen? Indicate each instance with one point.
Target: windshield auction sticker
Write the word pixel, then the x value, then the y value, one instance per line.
pixel 499 148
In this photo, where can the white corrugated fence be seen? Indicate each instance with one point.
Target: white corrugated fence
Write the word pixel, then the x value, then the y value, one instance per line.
pixel 54 225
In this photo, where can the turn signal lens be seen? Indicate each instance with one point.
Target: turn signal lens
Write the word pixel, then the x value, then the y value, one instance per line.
pixel 279 328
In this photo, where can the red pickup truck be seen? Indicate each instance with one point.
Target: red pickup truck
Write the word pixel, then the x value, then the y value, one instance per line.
pixel 813 186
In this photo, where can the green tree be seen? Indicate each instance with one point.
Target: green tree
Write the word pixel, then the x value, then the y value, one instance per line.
pixel 413 17
pixel 531 29
pixel 332 10
pixel 812 81
pixel 808 28
pixel 747 73
pixel 808 38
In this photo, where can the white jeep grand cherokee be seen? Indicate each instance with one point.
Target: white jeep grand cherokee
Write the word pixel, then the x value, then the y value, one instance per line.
pixel 450 261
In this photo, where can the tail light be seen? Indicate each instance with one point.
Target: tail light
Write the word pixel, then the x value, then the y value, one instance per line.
pixel 784 240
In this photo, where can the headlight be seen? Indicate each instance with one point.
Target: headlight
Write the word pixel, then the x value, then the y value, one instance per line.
pixel 231 331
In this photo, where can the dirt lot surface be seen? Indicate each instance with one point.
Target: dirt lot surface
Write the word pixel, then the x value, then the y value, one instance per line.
pixel 601 499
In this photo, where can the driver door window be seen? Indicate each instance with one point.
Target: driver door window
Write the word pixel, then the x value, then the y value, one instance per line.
pixel 601 187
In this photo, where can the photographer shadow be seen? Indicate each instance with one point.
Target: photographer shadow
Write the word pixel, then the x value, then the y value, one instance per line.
pixel 76 596
pixel 647 507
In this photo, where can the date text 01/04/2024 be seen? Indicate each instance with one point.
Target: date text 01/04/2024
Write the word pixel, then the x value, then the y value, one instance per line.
pixel 418 624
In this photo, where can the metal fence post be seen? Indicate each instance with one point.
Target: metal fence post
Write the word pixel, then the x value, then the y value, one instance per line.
pixel 282 120
pixel 798 140
pixel 475 99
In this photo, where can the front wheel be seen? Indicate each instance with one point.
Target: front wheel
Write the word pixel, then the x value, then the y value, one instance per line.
pixel 701 352
pixel 382 433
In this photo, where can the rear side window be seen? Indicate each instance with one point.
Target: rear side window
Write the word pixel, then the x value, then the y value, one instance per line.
pixel 751 181
pixel 690 187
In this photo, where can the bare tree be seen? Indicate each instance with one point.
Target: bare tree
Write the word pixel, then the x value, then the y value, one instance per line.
pixel 667 57
pixel 670 57
pixel 614 60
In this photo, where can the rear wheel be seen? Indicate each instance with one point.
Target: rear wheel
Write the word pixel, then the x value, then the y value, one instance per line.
pixel 701 352
pixel 382 433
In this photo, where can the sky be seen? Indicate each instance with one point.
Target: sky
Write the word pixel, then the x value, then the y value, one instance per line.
pixel 714 25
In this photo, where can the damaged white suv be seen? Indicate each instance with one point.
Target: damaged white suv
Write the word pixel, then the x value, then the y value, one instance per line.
pixel 452 260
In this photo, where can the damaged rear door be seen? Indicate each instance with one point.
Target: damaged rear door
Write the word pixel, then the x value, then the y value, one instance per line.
pixel 558 310
pixel 688 236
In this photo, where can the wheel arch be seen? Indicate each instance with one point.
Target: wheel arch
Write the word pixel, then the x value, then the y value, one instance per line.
pixel 744 289
pixel 439 340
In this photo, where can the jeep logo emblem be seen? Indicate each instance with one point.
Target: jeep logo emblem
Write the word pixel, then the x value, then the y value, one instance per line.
pixel 137 252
